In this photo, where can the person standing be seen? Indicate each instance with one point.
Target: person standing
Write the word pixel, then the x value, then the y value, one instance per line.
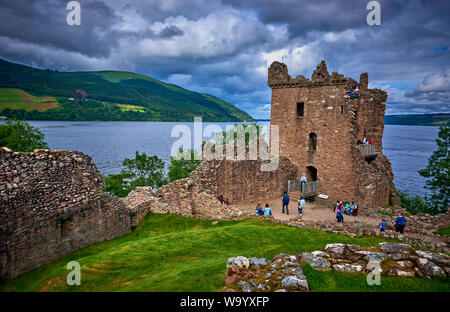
pixel 285 203
pixel 301 205
pixel 340 213
pixel 302 181
pixel 383 225
pixel 400 223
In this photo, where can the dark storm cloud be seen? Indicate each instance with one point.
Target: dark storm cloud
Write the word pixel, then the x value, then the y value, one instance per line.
pixel 304 16
pixel 44 23
pixel 224 47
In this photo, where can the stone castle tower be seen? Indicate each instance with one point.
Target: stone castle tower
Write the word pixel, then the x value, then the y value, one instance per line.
pixel 319 126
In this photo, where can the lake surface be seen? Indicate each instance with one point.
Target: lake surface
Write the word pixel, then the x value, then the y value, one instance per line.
pixel 108 143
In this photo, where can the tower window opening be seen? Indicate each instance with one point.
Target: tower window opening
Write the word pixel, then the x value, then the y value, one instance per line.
pixel 312 141
pixel 300 109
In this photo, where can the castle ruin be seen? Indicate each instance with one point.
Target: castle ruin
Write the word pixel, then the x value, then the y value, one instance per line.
pixel 319 126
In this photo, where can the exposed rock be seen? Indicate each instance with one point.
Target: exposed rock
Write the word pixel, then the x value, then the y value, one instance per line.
pixel 245 287
pixel 294 283
pixel 336 250
pixel 434 257
pixel 400 272
pixel 348 268
pixel 317 263
pixel 394 247
pixel 430 268
pixel 289 264
pixel 238 262
pixel 257 262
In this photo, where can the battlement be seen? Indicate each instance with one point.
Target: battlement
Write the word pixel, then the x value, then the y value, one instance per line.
pixel 280 78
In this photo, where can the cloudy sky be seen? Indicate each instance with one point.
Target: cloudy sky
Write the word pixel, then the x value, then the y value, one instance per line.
pixel 224 47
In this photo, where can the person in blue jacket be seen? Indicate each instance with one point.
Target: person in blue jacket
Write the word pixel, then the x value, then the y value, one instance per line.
pixel 285 203
pixel 383 225
pixel 260 210
pixel 400 223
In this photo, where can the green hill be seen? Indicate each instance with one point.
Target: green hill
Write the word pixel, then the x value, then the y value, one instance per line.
pixel 104 95
pixel 418 120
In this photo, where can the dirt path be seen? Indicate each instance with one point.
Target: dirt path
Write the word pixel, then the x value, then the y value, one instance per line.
pixel 311 212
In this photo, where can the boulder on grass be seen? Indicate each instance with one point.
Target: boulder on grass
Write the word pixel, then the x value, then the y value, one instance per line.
pixel 394 247
pixel 294 283
pixel 348 268
pixel 238 262
pixel 430 269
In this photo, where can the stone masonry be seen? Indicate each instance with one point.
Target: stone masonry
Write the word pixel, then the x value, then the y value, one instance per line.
pixel 319 126
pixel 52 204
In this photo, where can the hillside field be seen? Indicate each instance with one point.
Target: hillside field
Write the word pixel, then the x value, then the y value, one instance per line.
pixel 17 99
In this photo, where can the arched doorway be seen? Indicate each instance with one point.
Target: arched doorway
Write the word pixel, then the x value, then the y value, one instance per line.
pixel 311 173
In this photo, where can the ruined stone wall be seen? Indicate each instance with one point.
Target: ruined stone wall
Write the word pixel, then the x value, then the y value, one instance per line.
pixel 52 204
pixel 237 181
pixel 337 122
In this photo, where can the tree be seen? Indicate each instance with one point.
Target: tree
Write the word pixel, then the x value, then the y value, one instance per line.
pixel 182 164
pixel 116 184
pixel 437 174
pixel 143 170
pixel 20 136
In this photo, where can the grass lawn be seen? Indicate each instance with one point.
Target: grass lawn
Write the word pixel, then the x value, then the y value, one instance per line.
pixel 173 253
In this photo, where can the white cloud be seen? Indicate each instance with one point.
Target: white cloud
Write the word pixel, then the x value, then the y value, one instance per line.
pixel 435 83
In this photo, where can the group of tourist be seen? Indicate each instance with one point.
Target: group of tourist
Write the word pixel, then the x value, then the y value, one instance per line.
pixel 301 204
pixel 399 223
pixel 354 92
pixel 364 141
pixel 348 208
pixel 267 211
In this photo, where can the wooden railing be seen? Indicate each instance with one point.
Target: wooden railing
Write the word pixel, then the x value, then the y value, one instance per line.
pixel 368 150
pixel 308 188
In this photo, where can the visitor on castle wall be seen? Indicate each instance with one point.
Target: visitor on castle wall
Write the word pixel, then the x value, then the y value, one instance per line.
pixel 285 200
pixel 347 208
pixel 400 223
pixel 259 210
pixel 371 142
pixel 301 205
pixel 267 211
pixel 303 181
pixel 383 225
pixel 365 142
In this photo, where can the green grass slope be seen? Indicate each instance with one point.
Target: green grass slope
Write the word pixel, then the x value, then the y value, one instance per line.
pixel 163 101
pixel 418 120
pixel 173 253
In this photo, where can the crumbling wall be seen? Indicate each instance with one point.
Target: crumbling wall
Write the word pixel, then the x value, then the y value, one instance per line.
pixel 52 204
pixel 237 181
